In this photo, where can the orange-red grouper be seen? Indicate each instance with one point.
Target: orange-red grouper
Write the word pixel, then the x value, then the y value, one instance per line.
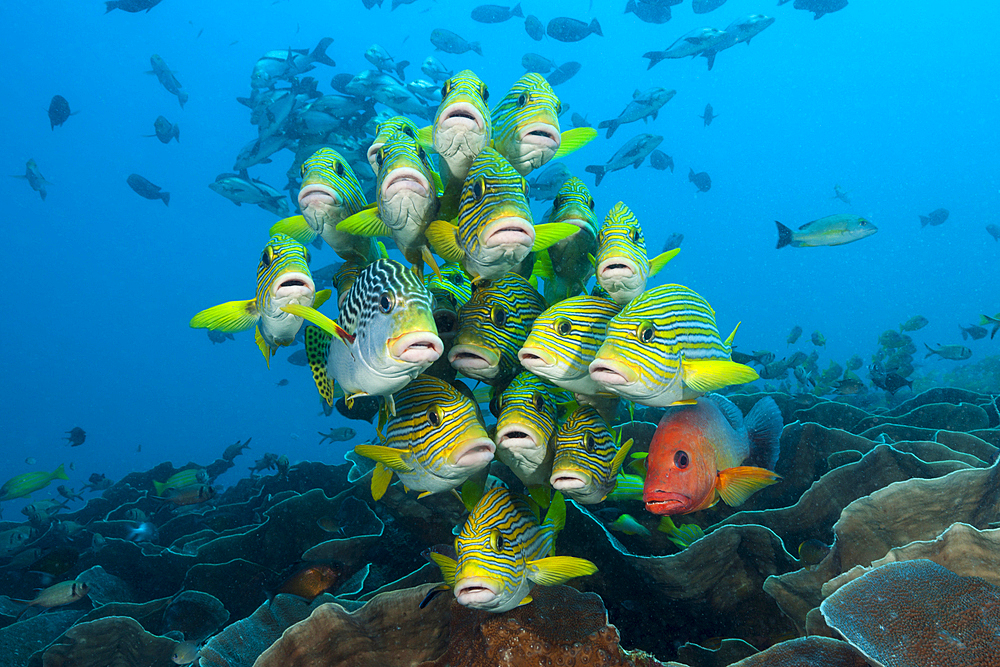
pixel 697 450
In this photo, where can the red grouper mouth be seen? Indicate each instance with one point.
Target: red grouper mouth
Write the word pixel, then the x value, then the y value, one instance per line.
pixel 664 502
pixel 419 347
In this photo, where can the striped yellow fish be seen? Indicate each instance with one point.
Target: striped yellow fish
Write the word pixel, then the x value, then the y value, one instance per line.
pixel 181 479
pixel 25 484
pixel 330 193
pixel 566 266
pixel 587 460
pixel 450 290
pixel 462 127
pixel 385 131
pixel 621 262
pixel 664 348
pixel 434 442
pixel 283 279
pixel 495 231
pixel 528 408
pixel 492 327
pixel 407 200
pixel 503 551
pixel 385 337
pixel 526 125
pixel 565 339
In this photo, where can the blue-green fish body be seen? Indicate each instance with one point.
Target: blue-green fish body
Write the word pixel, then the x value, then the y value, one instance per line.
pixel 384 339
pixel 564 341
pixel 283 279
pixel 664 348
pixel 587 459
pixel 462 127
pixel 503 551
pixel 621 263
pixel 329 194
pixel 566 266
pixel 433 443
pixel 527 420
pixel 387 130
pixel 492 327
pixel 831 230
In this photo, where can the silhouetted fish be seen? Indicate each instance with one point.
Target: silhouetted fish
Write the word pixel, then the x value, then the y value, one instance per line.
pixel 701 180
pixel 58 111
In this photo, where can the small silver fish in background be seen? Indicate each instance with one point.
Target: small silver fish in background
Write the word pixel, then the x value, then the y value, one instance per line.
pixel 59 111
pixel 144 188
pixel 831 230
pixel 565 29
pixel 952 352
pixel 841 194
pixel 449 42
pixel 167 78
pixel 342 434
pixel 496 13
pixel 185 653
pixel 709 115
pixel 66 592
pixel 34 178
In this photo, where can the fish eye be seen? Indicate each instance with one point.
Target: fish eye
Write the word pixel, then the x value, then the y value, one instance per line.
pixel 496 540
pixel 563 326
pixel 434 416
pixel 538 401
pixel 408 131
pixel 302 169
pixel 681 459
pixel 484 93
pixel 308 257
pixel 498 316
pixel 422 154
pixel 339 168
pixel 590 203
pixel 558 108
pixel 479 189
pixel 386 302
pixel 380 157
pixel 646 332
pixel 522 99
pixel 635 235
pixel 266 257
pixel 446 88
pixel 496 405
pixel 525 186
pixel 457 278
pixel 556 203
pixel 589 442
pixel 863 222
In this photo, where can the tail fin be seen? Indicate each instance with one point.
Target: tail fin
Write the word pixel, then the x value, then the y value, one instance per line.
pixel 319 53
pixel 654 58
pixel 930 350
pixel 165 196
pixel 109 5
pixel 476 47
pixel 612 125
pixel 764 424
pixel 60 472
pixel 516 11
pixel 177 133
pixel 595 28
pixel 400 66
pixel 965 334
pixel 784 235
pixel 158 487
pixel 598 171
pixel 924 221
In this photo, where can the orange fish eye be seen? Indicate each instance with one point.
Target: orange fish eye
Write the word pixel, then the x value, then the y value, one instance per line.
pixel 681 459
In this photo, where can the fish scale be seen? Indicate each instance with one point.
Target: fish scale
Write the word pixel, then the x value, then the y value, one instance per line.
pixel 322 167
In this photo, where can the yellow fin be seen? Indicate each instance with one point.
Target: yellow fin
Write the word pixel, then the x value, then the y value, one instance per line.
pixel 265 349
pixel 443 237
pixel 540 494
pixel 159 487
pixel 729 341
pixel 364 223
pixel 543 266
pixel 593 260
pixel 687 401
pixel 573 140
pixel 558 569
pixel 381 477
pixel 296 227
pixel 425 136
pixel 527 599
pixel 555 518
pixel 230 317
pixel 438 183
pixel 710 375
pixel 448 567
pixel 424 494
pixel 321 297
pixel 320 320
pixel 472 493
pixel 616 463
pixel 429 260
pixel 661 260
pixel 551 233
pixel 735 485
pixel 387 456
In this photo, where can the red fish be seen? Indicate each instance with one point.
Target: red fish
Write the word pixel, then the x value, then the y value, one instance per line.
pixel 697 450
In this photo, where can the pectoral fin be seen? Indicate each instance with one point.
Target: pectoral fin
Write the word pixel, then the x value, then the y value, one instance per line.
pixel 425 136
pixel 381 477
pixel 661 260
pixel 296 227
pixel 321 297
pixel 448 567
pixel 265 349
pixel 364 223
pixel 443 237
pixel 229 317
pixel 710 375
pixel 735 485
pixel 543 266
pixel 551 233
pixel 558 569
pixel 320 320
pixel 616 463
pixel 573 140
pixel 387 456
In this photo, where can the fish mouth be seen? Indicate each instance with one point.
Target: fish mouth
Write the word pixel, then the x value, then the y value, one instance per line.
pixel 611 373
pixel 474 359
pixel 474 454
pixel 462 114
pixel 533 358
pixel 618 269
pixel 516 438
pixel 543 135
pixel 317 194
pixel 404 179
pixel 475 591
pixel 418 347
pixel 292 285
pixel 568 480
pixel 509 231
pixel 663 502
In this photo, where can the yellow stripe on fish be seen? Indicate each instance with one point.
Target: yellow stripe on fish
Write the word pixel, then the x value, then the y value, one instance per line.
pixel 283 279
pixel 564 340
pixel 528 409
pixel 665 348
pixel 433 443
pixel 502 551
pixel 526 123
pixel 492 326
pixel 587 459
pixel 388 129
pixel 621 263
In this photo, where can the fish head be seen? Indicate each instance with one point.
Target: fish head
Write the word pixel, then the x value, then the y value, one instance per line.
pixel 575 205
pixel 462 126
pixel 329 192
pixel 283 278
pixel 861 228
pixel 406 189
pixel 495 224
pixel 681 468
pixel 451 290
pixel 622 266
pixel 565 338
pixel 493 326
pixel 386 130
pixel 491 573
pixel 526 123
pixel 527 419
pixel 584 451
pixel 389 311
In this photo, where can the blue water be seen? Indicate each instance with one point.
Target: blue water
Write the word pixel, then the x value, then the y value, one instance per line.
pixel 895 101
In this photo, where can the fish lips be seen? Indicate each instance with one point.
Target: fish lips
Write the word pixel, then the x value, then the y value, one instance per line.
pixel 567 479
pixel 461 114
pixel 416 347
pixel 474 360
pixel 661 502
pixel 404 179
pixel 509 231
pixel 617 270
pixel 293 286
pixel 612 374
pixel 476 592
pixel 535 359
pixel 537 143
pixel 317 200
pixel 474 454
pixel 517 438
